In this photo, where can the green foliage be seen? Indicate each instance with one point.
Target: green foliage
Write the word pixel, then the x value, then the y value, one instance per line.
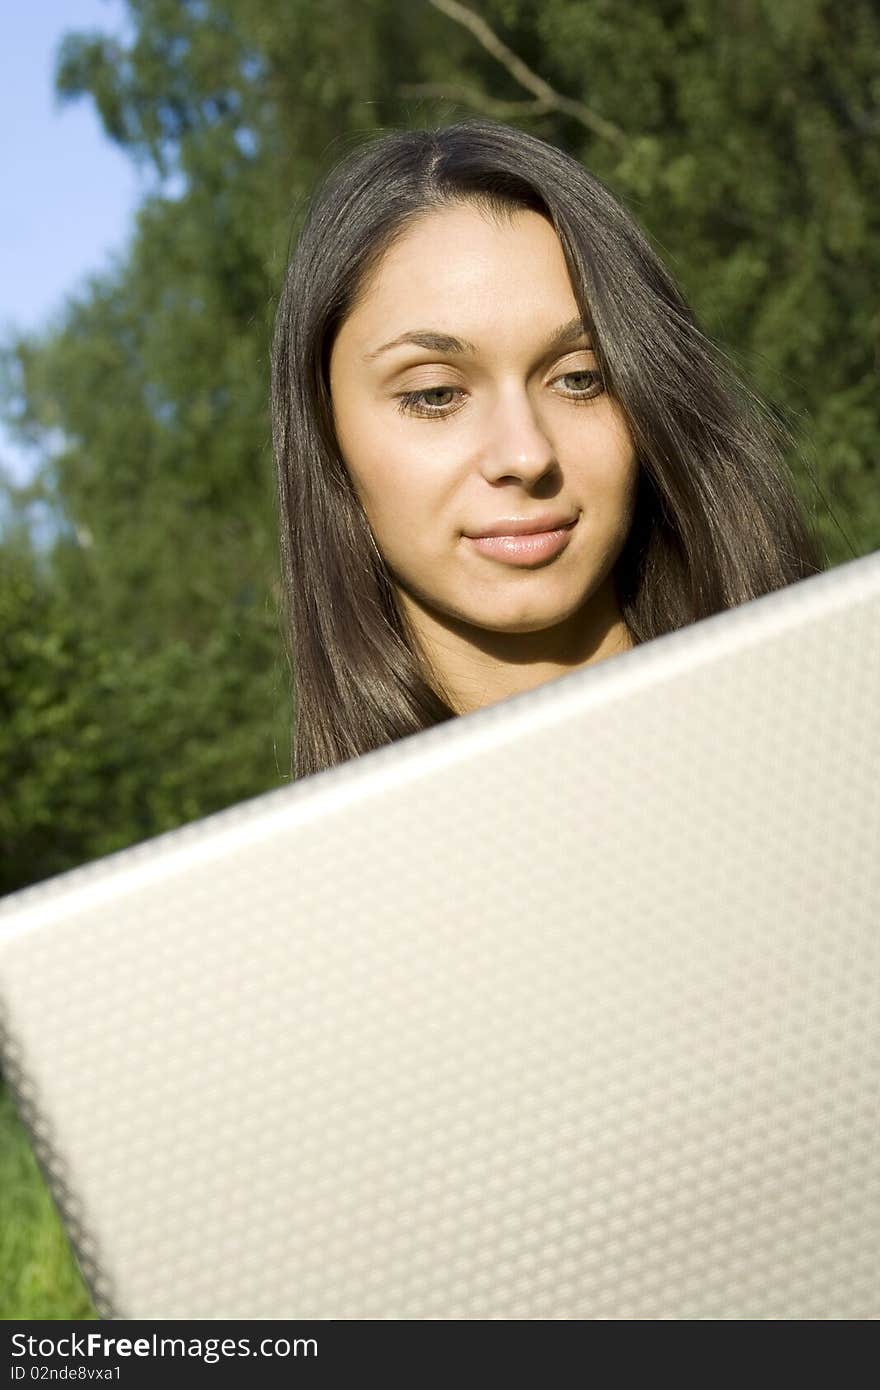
pixel 145 684
pixel 107 743
pixel 39 1277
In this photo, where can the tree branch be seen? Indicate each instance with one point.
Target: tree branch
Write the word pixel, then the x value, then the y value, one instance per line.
pixel 546 98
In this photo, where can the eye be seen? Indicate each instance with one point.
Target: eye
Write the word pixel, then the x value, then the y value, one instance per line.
pixel 594 387
pixel 419 402
pixel 411 402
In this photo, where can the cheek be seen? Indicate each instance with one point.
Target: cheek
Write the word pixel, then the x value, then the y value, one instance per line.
pixel 366 478
pixel 625 480
pixel 369 468
pixel 611 466
pixel 397 503
pixel 624 496
pixel 357 437
pixel 395 486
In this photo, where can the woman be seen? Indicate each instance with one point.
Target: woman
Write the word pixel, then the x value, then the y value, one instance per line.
pixel 474 337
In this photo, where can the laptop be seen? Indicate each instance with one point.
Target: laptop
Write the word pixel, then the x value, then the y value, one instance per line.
pixel 563 1009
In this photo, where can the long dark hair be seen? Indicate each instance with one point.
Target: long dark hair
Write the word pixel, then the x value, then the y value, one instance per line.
pixel 717 519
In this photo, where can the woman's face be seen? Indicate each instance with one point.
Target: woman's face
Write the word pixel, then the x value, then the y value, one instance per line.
pixel 490 418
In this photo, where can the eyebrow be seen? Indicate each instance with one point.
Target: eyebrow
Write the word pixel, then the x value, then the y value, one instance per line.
pixel 444 342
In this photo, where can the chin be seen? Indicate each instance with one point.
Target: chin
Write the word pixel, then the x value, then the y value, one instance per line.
pixel 520 622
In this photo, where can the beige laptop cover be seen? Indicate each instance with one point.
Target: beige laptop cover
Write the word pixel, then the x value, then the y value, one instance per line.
pixel 569 1008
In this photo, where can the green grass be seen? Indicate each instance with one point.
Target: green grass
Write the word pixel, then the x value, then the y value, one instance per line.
pixel 39 1277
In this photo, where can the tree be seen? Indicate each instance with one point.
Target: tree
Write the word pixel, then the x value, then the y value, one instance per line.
pixel 742 135
pixel 103 744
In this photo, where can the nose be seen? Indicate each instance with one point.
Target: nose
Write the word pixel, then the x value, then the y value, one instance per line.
pixel 518 446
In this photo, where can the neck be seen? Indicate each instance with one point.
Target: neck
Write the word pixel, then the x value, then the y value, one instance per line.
pixel 476 667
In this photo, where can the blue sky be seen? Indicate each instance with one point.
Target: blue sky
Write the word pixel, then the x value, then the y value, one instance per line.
pixel 69 194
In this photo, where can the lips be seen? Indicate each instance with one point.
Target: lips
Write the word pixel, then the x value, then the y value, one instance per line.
pixel 523 526
pixel 529 549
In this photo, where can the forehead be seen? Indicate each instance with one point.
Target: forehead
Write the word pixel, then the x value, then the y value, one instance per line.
pixel 470 273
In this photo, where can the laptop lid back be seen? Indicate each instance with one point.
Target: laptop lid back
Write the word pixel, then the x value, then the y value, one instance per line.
pixel 564 1009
